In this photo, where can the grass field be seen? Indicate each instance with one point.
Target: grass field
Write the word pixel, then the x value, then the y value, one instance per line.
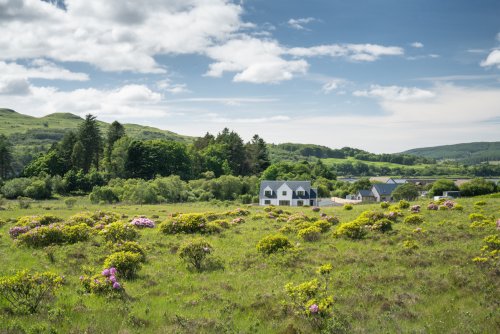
pixel 378 284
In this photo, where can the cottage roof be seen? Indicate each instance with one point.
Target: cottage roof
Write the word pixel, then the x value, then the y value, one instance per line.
pixel 365 193
pixel 294 185
pixel 385 189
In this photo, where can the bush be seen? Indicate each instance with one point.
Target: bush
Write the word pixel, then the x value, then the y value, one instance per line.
pixel 143 222
pixel 312 233
pixel 273 243
pixel 480 203
pixel 24 202
pixel 127 263
pixel 404 204
pixel 347 207
pixel 384 205
pixel 432 206
pixel 131 246
pixel 413 219
pixel 25 292
pixel 70 202
pixel 38 189
pixel 53 234
pixel 105 283
pixel 323 225
pixel 353 230
pixel 103 194
pixel 194 252
pixel 189 224
pixel 76 233
pixel 119 231
pixel 34 221
pixel 15 187
pixel 476 217
pixel 382 225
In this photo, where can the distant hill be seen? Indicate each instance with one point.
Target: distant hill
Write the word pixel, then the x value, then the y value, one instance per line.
pixel 33 135
pixel 468 153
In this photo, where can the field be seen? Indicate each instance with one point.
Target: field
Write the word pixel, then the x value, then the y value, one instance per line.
pixel 412 279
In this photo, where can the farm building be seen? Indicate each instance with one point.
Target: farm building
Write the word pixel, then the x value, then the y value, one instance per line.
pixel 287 193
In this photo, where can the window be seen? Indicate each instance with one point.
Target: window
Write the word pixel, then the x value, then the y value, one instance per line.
pixel 300 203
pixel 268 193
pixel 283 193
pixel 300 193
pixel 267 202
pixel 284 203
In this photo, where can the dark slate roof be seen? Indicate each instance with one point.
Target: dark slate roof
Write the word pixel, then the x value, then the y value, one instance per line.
pixel 366 193
pixel 294 185
pixel 385 189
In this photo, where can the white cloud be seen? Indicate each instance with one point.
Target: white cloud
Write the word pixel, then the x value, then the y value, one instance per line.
pixel 299 23
pixel 332 85
pixel 493 59
pixel 254 60
pixel 14 86
pixel 356 52
pixel 168 86
pixel 214 118
pixel 417 45
pixel 395 93
pixel 40 69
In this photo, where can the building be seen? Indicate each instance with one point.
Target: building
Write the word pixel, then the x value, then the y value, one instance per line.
pixel 287 193
pixel 380 192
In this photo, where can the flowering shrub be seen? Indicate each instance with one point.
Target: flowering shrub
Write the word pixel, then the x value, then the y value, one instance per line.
pixel 410 245
pixel 95 218
pixel 34 221
pixel 415 209
pixel 237 212
pixel 25 292
pixel 237 221
pixel 490 252
pixel 194 252
pixel 477 217
pixel 315 209
pixel 15 231
pixel 104 283
pixel 189 223
pixel 404 204
pixel 372 216
pixel 298 217
pixel 458 207
pixel 382 225
pixel 273 243
pixel 393 215
pixel 449 204
pixel 330 219
pixel 143 222
pixel 353 230
pixel 312 233
pixel 347 207
pixel 432 206
pixel 130 246
pixel 323 225
pixel 414 219
pixel 54 234
pixel 119 231
pixel 222 223
pixel 126 262
pixel 384 205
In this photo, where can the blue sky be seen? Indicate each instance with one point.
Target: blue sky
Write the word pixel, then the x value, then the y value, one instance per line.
pixel 384 76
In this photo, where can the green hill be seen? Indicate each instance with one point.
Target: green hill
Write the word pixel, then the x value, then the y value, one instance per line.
pixel 33 135
pixel 469 153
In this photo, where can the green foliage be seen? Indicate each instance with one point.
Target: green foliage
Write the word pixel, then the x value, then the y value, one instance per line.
pixel 34 221
pixel 103 194
pixel 195 251
pixel 312 233
pixel 130 246
pixel 476 187
pixel 413 219
pixel 6 158
pixel 189 224
pixel 26 292
pixel 442 185
pixel 273 243
pixel 119 231
pixel 24 202
pixel 15 187
pixel 54 234
pixel 384 205
pixel 382 225
pixel 127 263
pixel 348 207
pixel 70 202
pixel 403 204
pixel 406 191
pixel 353 230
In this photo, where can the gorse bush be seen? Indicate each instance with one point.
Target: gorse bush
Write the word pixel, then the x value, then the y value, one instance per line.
pixel 195 252
pixel 348 207
pixel 414 219
pixel 189 224
pixel 384 205
pixel 273 243
pixel 353 230
pixel 382 225
pixel 130 246
pixel 119 231
pixel 127 263
pixel 404 204
pixel 105 283
pixel 26 292
pixel 34 221
pixel 53 234
pixel 312 233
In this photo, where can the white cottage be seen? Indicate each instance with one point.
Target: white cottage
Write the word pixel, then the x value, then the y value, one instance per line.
pixel 287 193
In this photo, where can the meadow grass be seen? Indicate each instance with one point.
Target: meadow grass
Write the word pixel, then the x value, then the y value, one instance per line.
pixel 378 286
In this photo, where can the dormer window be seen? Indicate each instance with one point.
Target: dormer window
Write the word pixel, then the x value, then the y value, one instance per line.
pixel 283 193
pixel 300 193
pixel 268 193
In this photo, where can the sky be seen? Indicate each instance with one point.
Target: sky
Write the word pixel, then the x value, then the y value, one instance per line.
pixel 384 76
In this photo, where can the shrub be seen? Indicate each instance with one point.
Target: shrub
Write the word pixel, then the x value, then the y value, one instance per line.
pixel 237 212
pixel 347 207
pixel 414 219
pixel 127 263
pixel 131 246
pixel 372 216
pixel 330 219
pixel 393 215
pixel 273 243
pixel 404 204
pixel 415 209
pixel 24 202
pixel 194 252
pixel 189 224
pixel 310 299
pixel 312 233
pixel 15 231
pixel 432 206
pixel 42 236
pixel 384 205
pixel 76 233
pixel 103 194
pixel 323 225
pixel 382 225
pixel 315 209
pixel 477 217
pixel 25 292
pixel 34 221
pixel 105 283
pixel 353 230
pixel 70 202
pixel 458 207
pixel 143 222
pixel 119 231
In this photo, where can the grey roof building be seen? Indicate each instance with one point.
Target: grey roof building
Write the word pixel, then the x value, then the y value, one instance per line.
pixel 287 193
